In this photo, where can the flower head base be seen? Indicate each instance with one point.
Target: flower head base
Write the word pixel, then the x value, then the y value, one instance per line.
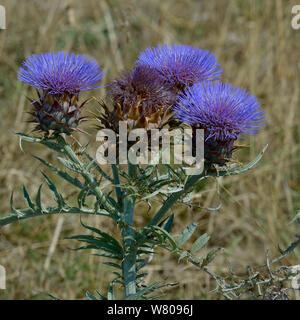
pixel 59 77
pixel 57 114
pixel 59 72
pixel 141 97
pixel 181 65
pixel 143 87
pixel 224 112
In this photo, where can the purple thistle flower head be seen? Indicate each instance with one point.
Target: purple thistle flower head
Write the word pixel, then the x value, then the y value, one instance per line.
pixel 143 87
pixel 59 73
pixel 225 112
pixel 181 65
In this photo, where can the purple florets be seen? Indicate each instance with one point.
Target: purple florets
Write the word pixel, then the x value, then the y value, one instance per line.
pixel 181 65
pixel 59 72
pixel 143 87
pixel 224 111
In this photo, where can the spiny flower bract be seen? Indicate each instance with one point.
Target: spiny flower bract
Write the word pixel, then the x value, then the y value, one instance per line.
pixel 224 111
pixel 142 87
pixel 140 97
pixel 60 72
pixel 181 65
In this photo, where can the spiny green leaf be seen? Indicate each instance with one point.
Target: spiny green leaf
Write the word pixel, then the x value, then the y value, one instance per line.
pixel 57 196
pixel 38 199
pixel 97 243
pixel 186 234
pixel 97 167
pixel 62 174
pixel 27 197
pixel 52 297
pixel 81 198
pixel 168 236
pixel 101 296
pixel 199 243
pixel 169 224
pixel 210 256
pixel 12 207
pixel 106 236
pixel 111 264
pixel 90 296
pixel 243 168
pixel 70 165
pixel 106 255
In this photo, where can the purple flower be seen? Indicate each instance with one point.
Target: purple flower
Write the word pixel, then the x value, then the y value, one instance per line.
pixel 59 72
pixel 181 65
pixel 224 111
pixel 142 87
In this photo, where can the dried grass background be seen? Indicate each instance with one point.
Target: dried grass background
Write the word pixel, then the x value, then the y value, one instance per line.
pixel 258 50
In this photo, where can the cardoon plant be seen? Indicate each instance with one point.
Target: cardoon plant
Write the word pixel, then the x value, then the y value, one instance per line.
pixel 143 98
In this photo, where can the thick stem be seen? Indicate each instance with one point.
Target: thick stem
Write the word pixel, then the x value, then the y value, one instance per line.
pixel 129 262
pixel 116 180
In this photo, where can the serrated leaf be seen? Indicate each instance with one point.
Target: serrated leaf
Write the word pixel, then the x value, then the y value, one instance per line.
pixel 27 138
pixel 102 173
pixel 199 243
pixel 186 234
pixel 245 167
pixel 168 236
pixel 101 296
pixel 62 174
pixel 57 196
pixel 106 236
pixel 210 256
pixel 111 264
pixel 70 165
pixel 38 199
pixel 12 207
pixel 90 296
pixel 27 198
pixel 52 297
pixel 97 243
pixel 169 223
pixel 106 255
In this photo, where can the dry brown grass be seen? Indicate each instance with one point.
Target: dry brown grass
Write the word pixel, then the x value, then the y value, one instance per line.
pixel 257 49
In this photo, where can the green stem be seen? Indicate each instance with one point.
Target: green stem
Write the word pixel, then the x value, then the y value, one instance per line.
pixel 129 262
pixel 116 181
pixel 89 178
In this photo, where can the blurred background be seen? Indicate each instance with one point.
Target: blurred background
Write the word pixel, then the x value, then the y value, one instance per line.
pixel 258 50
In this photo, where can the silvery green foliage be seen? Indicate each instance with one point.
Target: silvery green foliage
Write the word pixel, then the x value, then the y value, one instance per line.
pixel 130 256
